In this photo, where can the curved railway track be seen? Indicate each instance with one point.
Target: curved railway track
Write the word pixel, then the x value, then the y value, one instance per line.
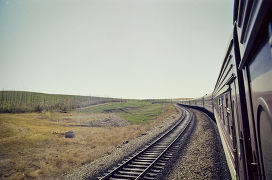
pixel 149 162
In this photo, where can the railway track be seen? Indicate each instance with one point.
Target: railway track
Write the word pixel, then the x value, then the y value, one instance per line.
pixel 149 162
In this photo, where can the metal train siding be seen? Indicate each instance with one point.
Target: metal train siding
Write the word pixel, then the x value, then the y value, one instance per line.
pixel 242 98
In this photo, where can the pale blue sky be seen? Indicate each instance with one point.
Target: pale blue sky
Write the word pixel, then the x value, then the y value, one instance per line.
pixel 116 48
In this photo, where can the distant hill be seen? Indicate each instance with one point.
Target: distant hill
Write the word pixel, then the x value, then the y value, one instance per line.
pixel 23 101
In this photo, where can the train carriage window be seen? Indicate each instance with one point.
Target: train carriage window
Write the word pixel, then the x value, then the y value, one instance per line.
pixel 218 107
pixel 222 110
pixel 233 125
pixel 228 113
pixel 225 112
pixel 218 104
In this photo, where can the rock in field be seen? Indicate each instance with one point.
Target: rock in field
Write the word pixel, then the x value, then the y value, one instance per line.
pixel 69 134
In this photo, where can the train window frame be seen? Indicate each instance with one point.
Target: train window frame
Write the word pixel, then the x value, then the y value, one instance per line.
pixel 228 113
pixel 222 110
pixel 233 134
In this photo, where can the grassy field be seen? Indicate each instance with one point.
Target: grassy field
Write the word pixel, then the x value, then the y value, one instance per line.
pixel 133 111
pixel 32 145
pixel 21 101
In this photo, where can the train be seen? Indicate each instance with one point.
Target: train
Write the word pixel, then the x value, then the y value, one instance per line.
pixel 241 101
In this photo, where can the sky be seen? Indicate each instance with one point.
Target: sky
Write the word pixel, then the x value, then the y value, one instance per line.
pixel 114 48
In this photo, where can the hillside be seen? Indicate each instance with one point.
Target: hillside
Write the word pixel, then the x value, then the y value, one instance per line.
pixel 23 101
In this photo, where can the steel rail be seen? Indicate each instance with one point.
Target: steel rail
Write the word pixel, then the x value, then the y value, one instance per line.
pixel 163 153
pixel 143 161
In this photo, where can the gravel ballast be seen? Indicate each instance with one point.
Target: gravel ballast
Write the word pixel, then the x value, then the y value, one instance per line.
pixel 202 157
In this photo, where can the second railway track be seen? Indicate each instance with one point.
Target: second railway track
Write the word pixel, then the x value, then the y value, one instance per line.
pixel 150 161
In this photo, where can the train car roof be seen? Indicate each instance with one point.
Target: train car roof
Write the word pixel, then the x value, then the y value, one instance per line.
pixel 226 57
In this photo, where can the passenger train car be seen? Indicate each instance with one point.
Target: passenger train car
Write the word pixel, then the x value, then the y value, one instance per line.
pixel 242 98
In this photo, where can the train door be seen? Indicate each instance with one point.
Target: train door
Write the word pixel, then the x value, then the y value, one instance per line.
pixel 229 122
pixel 234 129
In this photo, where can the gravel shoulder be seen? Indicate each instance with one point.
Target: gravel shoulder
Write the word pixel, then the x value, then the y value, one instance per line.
pixel 202 156
pixel 105 163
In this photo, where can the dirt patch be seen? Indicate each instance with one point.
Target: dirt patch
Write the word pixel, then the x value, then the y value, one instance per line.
pixel 121 110
pixel 92 119
pixel 118 110
pixel 98 120
pixel 108 122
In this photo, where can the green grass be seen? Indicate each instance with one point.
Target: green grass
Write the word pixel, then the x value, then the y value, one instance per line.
pixel 144 114
pixel 134 111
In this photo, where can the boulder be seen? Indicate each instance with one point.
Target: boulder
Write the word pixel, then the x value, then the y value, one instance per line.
pixel 69 134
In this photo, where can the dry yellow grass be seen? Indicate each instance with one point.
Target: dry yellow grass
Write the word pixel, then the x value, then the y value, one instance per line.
pixel 32 145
